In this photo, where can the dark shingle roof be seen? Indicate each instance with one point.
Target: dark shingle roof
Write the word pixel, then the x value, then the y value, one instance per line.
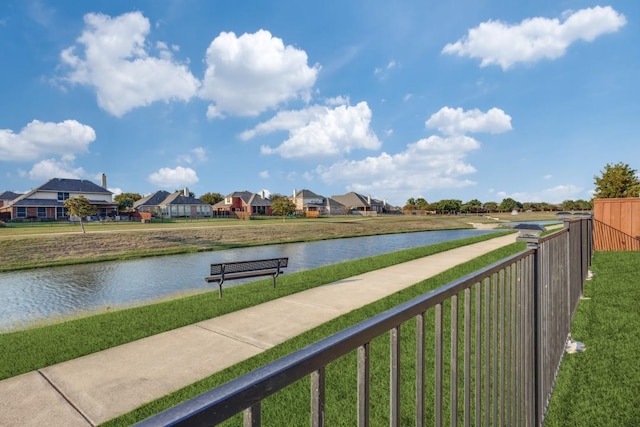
pixel 178 198
pixel 76 185
pixel 153 199
pixel 9 195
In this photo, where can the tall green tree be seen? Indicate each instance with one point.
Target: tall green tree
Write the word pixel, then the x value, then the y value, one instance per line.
pixel 212 198
pixel 509 204
pixel 80 207
pixel 490 206
pixel 282 205
pixel 125 201
pixel 616 181
pixel 410 205
pixel 474 206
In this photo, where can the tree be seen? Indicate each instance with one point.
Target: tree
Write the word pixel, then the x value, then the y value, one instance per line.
pixel 490 206
pixel 282 205
pixel 509 204
pixel 422 204
pixel 410 205
pixel 125 201
pixel 448 206
pixel 211 198
pixel 616 181
pixel 80 207
pixel 474 206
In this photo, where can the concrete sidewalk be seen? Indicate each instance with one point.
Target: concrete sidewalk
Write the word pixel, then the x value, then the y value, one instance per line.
pixel 98 387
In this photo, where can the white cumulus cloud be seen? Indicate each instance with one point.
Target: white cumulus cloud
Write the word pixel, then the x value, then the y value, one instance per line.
pixel 456 121
pixel 253 73
pixel 112 57
pixel 39 139
pixel 431 163
pixel 534 39
pixel 173 178
pixel 320 131
pixel 53 168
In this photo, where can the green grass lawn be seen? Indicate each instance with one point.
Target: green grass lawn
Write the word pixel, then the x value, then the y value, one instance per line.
pixel 601 386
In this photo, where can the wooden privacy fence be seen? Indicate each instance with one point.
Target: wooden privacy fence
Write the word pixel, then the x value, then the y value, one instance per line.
pixel 616 224
pixel 486 350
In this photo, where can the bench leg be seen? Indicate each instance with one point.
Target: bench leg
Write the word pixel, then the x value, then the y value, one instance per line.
pixel 220 289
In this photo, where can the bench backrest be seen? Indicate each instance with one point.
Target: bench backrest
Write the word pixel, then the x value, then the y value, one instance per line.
pixel 244 266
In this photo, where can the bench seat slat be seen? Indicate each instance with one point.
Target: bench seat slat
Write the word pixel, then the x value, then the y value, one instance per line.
pixel 242 275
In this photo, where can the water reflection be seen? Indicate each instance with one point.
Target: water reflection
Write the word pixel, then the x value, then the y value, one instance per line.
pixel 28 296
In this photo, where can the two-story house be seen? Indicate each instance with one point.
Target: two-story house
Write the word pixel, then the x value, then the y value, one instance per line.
pixel 243 204
pixel 46 202
pixel 312 204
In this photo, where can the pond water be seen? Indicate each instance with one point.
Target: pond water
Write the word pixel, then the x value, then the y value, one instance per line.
pixel 35 295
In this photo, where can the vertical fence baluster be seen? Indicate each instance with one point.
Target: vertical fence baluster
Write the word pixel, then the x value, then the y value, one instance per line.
pixel 364 379
pixel 251 416
pixel 478 358
pixel 501 340
pixel 467 357
pixel 494 348
pixel 453 387
pixel 487 351
pixel 420 368
pixel 438 365
pixel 317 397
pixel 395 377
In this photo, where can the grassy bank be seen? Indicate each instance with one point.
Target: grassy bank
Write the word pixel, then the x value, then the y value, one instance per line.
pixel 601 387
pixel 35 348
pixel 41 245
pixel 292 403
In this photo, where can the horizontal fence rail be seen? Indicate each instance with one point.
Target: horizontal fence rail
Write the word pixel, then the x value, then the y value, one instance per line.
pixel 486 349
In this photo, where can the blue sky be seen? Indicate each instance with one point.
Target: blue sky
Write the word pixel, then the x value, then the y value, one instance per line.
pixel 463 99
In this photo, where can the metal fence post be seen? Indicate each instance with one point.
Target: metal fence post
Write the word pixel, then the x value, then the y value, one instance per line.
pixel 533 242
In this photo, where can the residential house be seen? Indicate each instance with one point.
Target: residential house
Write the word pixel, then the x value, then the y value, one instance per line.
pixel 173 205
pixel 243 204
pixel 312 204
pixel 6 198
pixel 357 203
pixel 46 202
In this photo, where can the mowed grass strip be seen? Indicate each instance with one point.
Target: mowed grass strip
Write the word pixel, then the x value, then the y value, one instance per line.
pixel 291 405
pixel 601 386
pixel 35 348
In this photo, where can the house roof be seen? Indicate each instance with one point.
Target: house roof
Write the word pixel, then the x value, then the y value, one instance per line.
pixel 69 185
pixel 9 195
pixel 308 194
pixel 352 200
pixel 178 198
pixel 153 199
pixel 247 197
pixel 164 198
pixel 62 185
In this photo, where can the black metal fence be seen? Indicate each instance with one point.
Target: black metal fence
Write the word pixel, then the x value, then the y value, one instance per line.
pixel 493 339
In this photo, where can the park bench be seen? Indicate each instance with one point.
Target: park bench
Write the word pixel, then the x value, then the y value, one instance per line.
pixel 244 269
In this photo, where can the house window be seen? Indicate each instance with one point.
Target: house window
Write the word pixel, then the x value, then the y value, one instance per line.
pixel 228 200
pixel 42 212
pixel 21 212
pixel 61 212
pixel 63 196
